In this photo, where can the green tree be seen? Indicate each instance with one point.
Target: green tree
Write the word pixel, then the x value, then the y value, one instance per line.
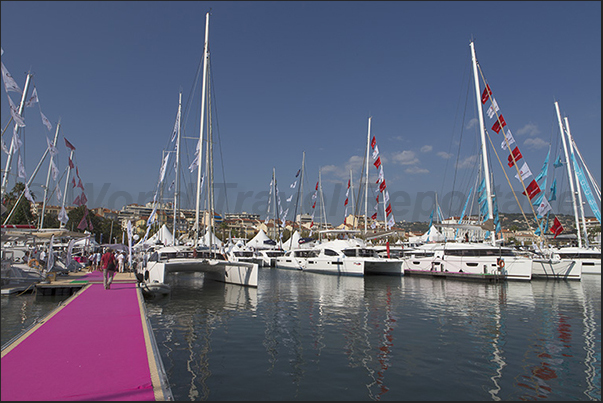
pixel 22 213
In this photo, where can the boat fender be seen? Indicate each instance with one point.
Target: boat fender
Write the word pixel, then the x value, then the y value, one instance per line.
pixel 146 275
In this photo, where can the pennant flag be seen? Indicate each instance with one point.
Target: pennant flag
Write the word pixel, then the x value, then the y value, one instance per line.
pixel 289 199
pixel 69 145
pixel 388 209
pixel 176 125
pixel 524 171
pixel 373 142
pixel 345 203
pixel 374 216
pixel 516 154
pixel 377 162
pixel 375 152
pixel 297 174
pixel 4 148
pixel 382 186
pixel 493 109
pixel 15 114
pixel 293 185
pixel 508 139
pixel 391 222
pixel 21 168
pixel 316 186
pixel 543 208
pixel 558 162
pixel 314 205
pixel 28 195
pixel 499 124
pixel 16 140
pixel 386 197
pixel 54 170
pixel 486 94
pixel 533 189
pixel 33 99
pixel 163 168
pixel 83 199
pixel 57 190
pixel 557 228
pixel 553 190
pixel 9 82
pixel 71 166
pixel 46 122
pixel 73 182
pixel 51 148
pixel 63 215
pixel 83 224
pixel 194 164
pixel 77 201
pixel 79 184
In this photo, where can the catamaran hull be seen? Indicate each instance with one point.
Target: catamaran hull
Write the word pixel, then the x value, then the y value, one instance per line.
pixel 241 273
pixel 514 269
pixel 355 267
pixel 591 266
pixel 563 269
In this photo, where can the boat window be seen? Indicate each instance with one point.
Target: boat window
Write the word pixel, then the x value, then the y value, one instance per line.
pixel 330 252
pixel 349 252
pixel 363 252
pixel 580 256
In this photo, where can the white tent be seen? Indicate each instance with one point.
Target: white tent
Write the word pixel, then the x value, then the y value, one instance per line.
pixel 433 235
pixel 293 242
pixel 163 236
pixel 210 239
pixel 259 241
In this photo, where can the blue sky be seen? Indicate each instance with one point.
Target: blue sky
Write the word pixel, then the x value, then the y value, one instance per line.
pixel 294 77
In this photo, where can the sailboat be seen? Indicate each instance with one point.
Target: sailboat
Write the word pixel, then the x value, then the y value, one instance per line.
pixel 588 257
pixel 205 256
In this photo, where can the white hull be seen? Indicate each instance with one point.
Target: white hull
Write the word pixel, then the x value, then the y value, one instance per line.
pixel 354 266
pixel 563 269
pixel 241 273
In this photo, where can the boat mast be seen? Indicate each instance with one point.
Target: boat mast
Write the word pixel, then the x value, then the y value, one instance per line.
pixel 177 182
pixel 9 159
pixel 366 174
pixel 483 140
pixel 205 57
pixel 569 174
pixel 54 144
pixel 66 183
pixel 578 190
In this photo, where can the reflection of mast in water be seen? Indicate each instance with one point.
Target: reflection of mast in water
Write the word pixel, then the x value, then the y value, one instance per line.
pixel 590 361
pixel 497 354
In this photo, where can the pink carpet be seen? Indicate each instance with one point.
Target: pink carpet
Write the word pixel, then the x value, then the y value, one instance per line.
pixel 93 349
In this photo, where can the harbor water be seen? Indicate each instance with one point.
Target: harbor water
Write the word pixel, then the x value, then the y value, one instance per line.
pixel 305 336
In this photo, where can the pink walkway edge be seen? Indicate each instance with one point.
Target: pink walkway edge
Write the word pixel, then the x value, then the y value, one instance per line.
pixel 93 349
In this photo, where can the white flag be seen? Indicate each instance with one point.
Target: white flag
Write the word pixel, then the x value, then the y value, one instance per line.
pixel 508 138
pixel 63 216
pixel 293 185
pixel 289 199
pixel 9 81
pixel 543 208
pixel 33 99
pixel 391 222
pixel 54 170
pixel 524 171
pixel 4 148
pixel 20 168
pixel 176 125
pixel 15 114
pixel 163 168
pixel 28 195
pixel 57 189
pixel 381 178
pixel 16 141
pixel 46 121
pixel 51 148
pixel 493 108
pixel 386 197
pixel 194 164
pixel 376 152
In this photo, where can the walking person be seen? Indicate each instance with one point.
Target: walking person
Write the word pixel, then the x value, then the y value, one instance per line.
pixel 109 265
pixel 120 261
pixel 97 261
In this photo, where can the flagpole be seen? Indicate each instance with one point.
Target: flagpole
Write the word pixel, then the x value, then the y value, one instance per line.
pixel 569 174
pixel 483 139
pixel 205 57
pixel 177 183
pixel 66 183
pixel 9 158
pixel 54 144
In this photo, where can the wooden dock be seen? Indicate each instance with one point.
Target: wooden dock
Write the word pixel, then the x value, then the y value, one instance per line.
pixel 97 345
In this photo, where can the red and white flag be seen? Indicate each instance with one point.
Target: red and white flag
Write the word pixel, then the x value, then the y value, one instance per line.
pixel 69 145
pixel 533 189
pixel 515 154
pixel 499 124
pixel 524 171
pixel 556 228
pixel 486 94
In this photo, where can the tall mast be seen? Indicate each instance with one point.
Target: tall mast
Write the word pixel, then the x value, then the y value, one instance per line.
pixel 569 174
pixel 480 115
pixel 578 190
pixel 9 159
pixel 54 144
pixel 205 57
pixel 66 183
pixel 366 174
pixel 177 182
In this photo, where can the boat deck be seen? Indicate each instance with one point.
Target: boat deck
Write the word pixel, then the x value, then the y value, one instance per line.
pixel 97 345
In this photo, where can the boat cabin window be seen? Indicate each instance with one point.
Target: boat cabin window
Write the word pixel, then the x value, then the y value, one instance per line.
pixel 478 252
pixel 154 257
pixel 330 252
pixel 580 255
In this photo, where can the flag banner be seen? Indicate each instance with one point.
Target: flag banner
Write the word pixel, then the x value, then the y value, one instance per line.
pixel 194 164
pixel 314 196
pixel 90 227
pixel 508 139
pixel 33 99
pixel 54 170
pixel 381 177
pixel 316 188
pixel 28 195
pixel 376 206
pixel 524 172
pixel 163 167
pixel 374 216
pixel 51 148
pixel 373 142
pixel 493 108
pixel 79 184
pixel 486 94
pixel 382 186
pixel 83 224
pixel 69 145
pixel 377 162
pixel 4 148
pixel 293 185
pixel 533 189
pixel 71 166
pixel 16 140
pixel 73 182
pixel 388 209
pixel 20 168
pixel 63 215
pixel 558 163
pixel 176 125
pixel 373 225
pixel 15 114
pixel 545 166
pixel 314 205
pixel 543 208
pixel 386 197
pixel 289 199
pixel 391 222
pixel 298 172
pixel 345 203
pixel 83 199
pixel 375 152
pixel 9 82
pixel 57 190
pixel 77 201
pixel 586 189
pixel 499 124
pixel 377 197
pixel 515 154
pixel 557 228
pixel 553 190
pixel 46 121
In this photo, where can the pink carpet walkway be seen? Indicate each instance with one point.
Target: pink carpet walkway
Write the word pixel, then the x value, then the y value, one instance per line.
pixel 92 349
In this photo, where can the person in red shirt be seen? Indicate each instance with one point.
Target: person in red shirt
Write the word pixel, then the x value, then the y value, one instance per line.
pixel 109 265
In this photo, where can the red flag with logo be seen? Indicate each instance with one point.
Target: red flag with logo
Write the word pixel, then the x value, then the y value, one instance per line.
pixel 500 123
pixel 556 228
pixel 374 216
pixel 486 94
pixel 382 186
pixel 517 154
pixel 373 142
pixel 377 163
pixel 69 145
pixel 533 189
pixel 388 209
